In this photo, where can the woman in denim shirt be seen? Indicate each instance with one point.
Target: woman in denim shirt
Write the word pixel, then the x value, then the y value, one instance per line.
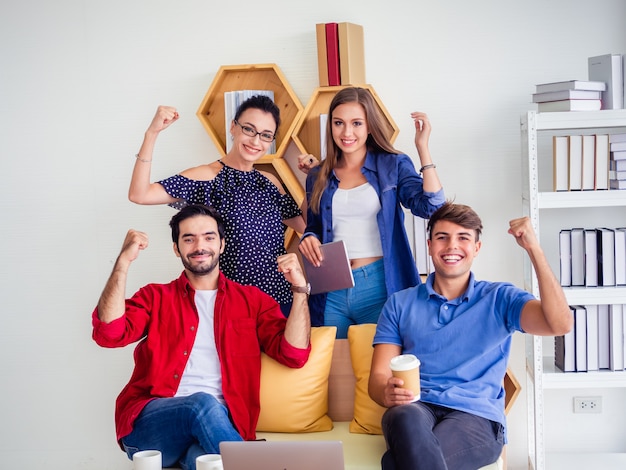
pixel 356 195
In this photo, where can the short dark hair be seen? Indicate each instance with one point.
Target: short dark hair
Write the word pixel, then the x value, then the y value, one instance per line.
pixel 194 210
pixel 263 103
pixel 459 214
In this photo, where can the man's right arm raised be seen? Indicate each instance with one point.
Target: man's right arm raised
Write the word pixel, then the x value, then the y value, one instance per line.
pixel 112 305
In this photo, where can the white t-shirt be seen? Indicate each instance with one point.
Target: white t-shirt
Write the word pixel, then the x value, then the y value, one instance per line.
pixel 203 372
pixel 354 221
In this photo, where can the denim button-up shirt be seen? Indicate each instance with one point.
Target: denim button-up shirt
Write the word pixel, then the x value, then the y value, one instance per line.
pixel 397 183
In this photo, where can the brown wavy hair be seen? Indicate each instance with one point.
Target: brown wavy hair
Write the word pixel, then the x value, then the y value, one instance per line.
pixel 378 139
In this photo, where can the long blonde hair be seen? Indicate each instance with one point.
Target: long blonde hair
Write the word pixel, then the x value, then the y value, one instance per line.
pixel 378 138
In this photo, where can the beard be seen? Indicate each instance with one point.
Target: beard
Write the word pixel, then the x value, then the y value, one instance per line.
pixel 200 269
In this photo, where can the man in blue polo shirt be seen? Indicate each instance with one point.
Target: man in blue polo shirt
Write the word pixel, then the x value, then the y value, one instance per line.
pixel 461 330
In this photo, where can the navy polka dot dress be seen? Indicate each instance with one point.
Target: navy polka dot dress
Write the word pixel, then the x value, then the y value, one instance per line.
pixel 253 210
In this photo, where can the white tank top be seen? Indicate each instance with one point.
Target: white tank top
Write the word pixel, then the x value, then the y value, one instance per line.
pixel 354 221
pixel 203 372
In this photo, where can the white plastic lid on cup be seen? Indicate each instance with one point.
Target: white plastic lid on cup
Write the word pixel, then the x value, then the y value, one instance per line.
pixel 404 362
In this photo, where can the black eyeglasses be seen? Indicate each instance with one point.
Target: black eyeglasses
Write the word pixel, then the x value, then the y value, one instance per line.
pixel 251 132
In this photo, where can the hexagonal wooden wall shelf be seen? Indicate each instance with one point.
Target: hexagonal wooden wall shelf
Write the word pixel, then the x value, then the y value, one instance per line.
pixel 307 132
pixel 512 389
pixel 250 77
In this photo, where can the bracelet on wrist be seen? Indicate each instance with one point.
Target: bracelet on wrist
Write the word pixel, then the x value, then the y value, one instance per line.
pixel 142 159
pixel 427 167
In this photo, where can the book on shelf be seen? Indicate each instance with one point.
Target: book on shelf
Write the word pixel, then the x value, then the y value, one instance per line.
pixel 603 336
pixel 618 155
pixel 616 337
pixel 617 184
pixel 602 162
pixel 591 85
pixel 617 165
pixel 232 101
pixel 623 309
pixel 322 58
pixel 593 357
pixel 565 351
pixel 351 54
pixel 608 68
pixel 617 138
pixel 591 257
pixel 589 162
pixel 323 130
pixel 423 261
pixel 332 54
pixel 580 337
pixel 606 256
pixel 620 256
pixel 617 175
pixel 577 248
pixel 569 105
pixel 560 162
pixel 618 146
pixel 566 95
pixel 565 253
pixel 575 155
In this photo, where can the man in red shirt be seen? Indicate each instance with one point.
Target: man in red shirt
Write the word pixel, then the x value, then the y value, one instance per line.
pixel 198 362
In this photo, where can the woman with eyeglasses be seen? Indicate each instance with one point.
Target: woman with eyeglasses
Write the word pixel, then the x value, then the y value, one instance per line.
pixel 356 194
pixel 253 203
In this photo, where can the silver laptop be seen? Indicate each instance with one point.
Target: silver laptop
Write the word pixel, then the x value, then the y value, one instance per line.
pixel 282 455
pixel 334 273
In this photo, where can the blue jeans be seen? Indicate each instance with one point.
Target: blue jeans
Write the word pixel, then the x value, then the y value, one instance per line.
pixel 423 436
pixel 182 428
pixel 360 304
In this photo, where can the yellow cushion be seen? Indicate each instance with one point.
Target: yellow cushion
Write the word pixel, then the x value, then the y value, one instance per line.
pixel 296 400
pixel 367 413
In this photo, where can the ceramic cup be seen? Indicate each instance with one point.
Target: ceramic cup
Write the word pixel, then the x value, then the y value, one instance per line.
pixel 209 462
pixel 407 368
pixel 147 460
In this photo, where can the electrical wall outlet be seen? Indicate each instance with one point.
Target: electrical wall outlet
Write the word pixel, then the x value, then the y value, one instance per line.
pixel 587 404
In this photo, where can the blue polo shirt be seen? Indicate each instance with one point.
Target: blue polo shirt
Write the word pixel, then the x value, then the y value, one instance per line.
pixel 463 344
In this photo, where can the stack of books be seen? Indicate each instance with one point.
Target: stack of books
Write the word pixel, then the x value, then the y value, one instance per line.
pixel 604 88
pixel 340 54
pixel 571 95
pixel 592 257
pixel 581 162
pixel 596 342
pixel 617 164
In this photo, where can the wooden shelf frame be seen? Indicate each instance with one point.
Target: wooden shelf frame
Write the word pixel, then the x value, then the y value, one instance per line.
pixel 307 131
pixel 249 77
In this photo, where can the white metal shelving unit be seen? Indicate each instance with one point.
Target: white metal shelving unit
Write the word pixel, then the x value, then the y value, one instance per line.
pixel 537 200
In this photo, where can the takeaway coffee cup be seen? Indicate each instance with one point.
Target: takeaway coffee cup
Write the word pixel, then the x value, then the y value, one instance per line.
pixel 407 368
pixel 209 462
pixel 147 460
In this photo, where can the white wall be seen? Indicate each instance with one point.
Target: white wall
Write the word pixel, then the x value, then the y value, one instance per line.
pixel 79 83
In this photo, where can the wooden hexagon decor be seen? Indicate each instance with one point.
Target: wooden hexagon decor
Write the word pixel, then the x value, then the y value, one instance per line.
pixel 512 389
pixel 249 77
pixel 307 132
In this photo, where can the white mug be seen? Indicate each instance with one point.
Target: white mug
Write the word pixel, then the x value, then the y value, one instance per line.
pixel 147 460
pixel 209 462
